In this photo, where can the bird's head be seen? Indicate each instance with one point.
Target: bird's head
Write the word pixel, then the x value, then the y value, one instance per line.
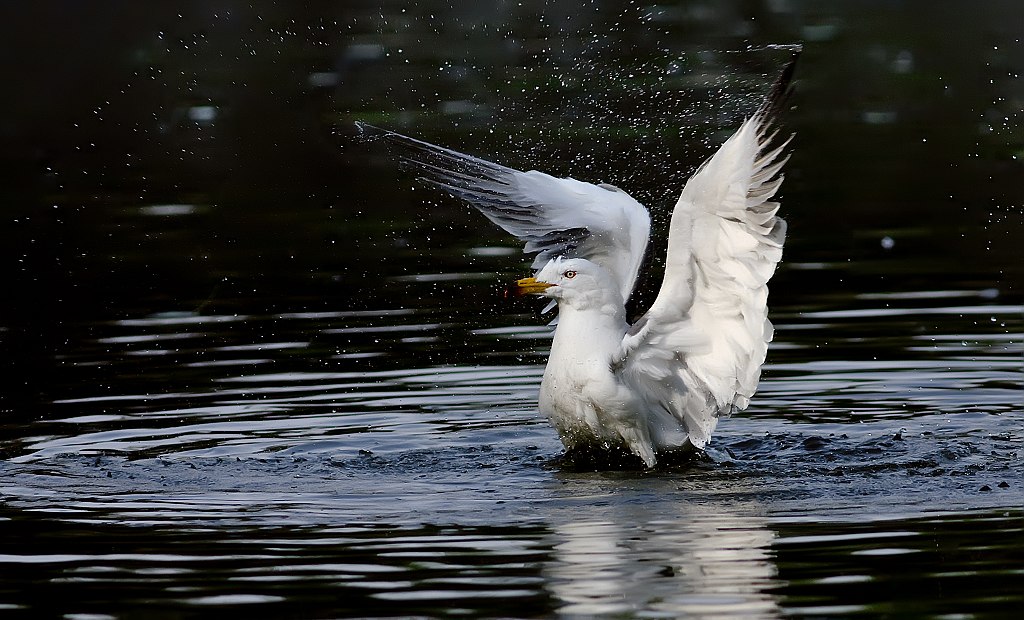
pixel 577 282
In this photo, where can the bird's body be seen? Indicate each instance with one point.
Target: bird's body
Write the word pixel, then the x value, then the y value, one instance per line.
pixel 660 384
pixel 580 393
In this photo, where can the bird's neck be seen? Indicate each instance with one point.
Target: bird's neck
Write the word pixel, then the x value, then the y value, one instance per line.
pixel 588 335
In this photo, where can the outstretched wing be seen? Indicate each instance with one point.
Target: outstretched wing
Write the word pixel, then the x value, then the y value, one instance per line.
pixel 698 351
pixel 554 217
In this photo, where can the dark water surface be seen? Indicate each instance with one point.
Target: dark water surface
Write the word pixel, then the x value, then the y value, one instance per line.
pixel 251 367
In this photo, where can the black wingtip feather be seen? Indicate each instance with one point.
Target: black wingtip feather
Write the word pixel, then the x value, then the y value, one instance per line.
pixel 436 160
pixel 368 131
pixel 782 89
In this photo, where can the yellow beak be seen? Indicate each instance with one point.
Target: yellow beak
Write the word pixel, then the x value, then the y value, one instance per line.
pixel 528 286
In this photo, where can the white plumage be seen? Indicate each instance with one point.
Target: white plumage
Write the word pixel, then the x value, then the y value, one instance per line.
pixel 660 384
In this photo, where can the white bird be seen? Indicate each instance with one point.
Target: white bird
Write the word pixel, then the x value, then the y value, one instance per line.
pixel 660 384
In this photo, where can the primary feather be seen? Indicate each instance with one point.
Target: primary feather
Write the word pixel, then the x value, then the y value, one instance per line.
pixel 662 383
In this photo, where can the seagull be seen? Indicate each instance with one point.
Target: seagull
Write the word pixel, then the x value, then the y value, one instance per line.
pixel 659 385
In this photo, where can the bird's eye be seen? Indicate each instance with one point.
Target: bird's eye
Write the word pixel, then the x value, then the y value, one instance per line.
pixel 569 274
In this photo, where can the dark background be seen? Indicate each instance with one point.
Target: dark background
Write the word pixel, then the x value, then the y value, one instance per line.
pixel 248 360
pixel 907 117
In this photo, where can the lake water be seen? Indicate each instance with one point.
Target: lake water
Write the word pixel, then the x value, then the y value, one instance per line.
pixel 251 366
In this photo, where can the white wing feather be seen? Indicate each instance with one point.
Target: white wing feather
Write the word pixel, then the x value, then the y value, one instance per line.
pixel 553 216
pixel 698 351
